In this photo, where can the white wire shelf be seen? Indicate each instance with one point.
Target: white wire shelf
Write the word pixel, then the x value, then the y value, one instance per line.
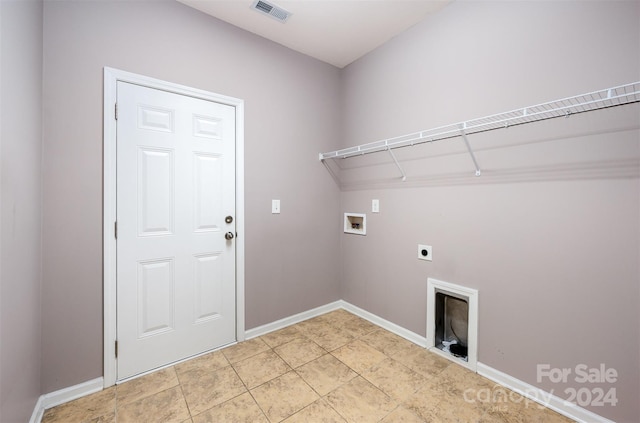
pixel 610 97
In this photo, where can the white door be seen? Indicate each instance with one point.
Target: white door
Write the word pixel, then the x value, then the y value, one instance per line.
pixel 175 189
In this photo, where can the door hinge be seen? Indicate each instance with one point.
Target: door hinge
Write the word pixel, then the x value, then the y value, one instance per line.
pixel 116 349
pixel 116 111
pixel 115 229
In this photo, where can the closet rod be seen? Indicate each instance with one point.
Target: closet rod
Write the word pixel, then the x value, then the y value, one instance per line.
pixel 609 97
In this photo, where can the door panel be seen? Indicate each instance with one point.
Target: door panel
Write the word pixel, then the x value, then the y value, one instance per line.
pixel 207 189
pixel 175 269
pixel 156 284
pixel 208 271
pixel 156 202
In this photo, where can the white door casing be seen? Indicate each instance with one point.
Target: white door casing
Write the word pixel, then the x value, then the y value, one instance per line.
pixel 171 252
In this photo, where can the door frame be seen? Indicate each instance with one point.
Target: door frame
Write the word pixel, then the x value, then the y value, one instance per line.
pixel 111 78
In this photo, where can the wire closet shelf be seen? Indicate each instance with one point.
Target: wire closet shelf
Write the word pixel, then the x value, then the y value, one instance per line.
pixel 609 97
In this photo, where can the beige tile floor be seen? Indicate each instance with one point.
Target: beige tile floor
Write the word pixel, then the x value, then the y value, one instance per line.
pixel 333 368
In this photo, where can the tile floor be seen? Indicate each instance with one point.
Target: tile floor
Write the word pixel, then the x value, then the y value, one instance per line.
pixel 333 368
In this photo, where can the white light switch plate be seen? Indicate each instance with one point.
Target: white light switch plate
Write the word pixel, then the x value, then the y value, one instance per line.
pixel 275 206
pixel 375 206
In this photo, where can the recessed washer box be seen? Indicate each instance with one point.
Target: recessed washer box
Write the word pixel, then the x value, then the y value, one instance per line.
pixel 355 223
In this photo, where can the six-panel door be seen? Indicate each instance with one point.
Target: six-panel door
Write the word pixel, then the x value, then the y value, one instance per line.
pixel 175 186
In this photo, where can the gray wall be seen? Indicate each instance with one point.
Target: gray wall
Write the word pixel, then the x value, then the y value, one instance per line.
pixel 290 113
pixel 549 234
pixel 20 200
pixel 553 221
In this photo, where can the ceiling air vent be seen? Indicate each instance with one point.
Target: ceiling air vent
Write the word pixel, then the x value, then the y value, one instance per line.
pixel 271 9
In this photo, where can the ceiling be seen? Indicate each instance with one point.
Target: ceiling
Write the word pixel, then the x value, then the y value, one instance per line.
pixel 333 31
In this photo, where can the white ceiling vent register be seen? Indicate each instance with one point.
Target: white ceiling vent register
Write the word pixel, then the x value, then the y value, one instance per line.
pixel 270 9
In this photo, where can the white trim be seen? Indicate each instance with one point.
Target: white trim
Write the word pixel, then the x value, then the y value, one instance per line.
pixel 471 296
pixel 109 216
pixel 111 77
pixel 61 396
pixel 336 305
pixel 547 399
pixel 38 412
pixel 292 320
pixel 241 236
pixel 385 324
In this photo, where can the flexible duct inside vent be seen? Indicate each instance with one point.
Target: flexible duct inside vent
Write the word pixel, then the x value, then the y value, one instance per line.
pixel 271 10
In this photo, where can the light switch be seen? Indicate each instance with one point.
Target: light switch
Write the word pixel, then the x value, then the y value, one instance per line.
pixel 275 206
pixel 375 206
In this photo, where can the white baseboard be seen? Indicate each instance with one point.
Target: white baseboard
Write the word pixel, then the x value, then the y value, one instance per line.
pixel 385 324
pixel 336 305
pixel 52 399
pixel 547 399
pixel 292 320
pixel 38 412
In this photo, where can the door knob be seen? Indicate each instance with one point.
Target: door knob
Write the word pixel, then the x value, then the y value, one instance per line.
pixel 228 219
pixel 228 235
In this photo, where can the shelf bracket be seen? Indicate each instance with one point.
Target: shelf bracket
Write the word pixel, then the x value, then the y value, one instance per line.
pixel 393 156
pixel 473 157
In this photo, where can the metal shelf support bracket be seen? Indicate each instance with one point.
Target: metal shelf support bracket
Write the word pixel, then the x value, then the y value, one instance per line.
pixel 393 156
pixel 473 156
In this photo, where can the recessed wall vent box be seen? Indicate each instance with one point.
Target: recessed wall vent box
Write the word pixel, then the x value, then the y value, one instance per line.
pixel 452 322
pixel 355 223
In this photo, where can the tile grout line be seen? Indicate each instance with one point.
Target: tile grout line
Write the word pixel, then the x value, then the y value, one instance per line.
pixel 320 396
pixel 399 403
pixel 184 397
pixel 330 352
